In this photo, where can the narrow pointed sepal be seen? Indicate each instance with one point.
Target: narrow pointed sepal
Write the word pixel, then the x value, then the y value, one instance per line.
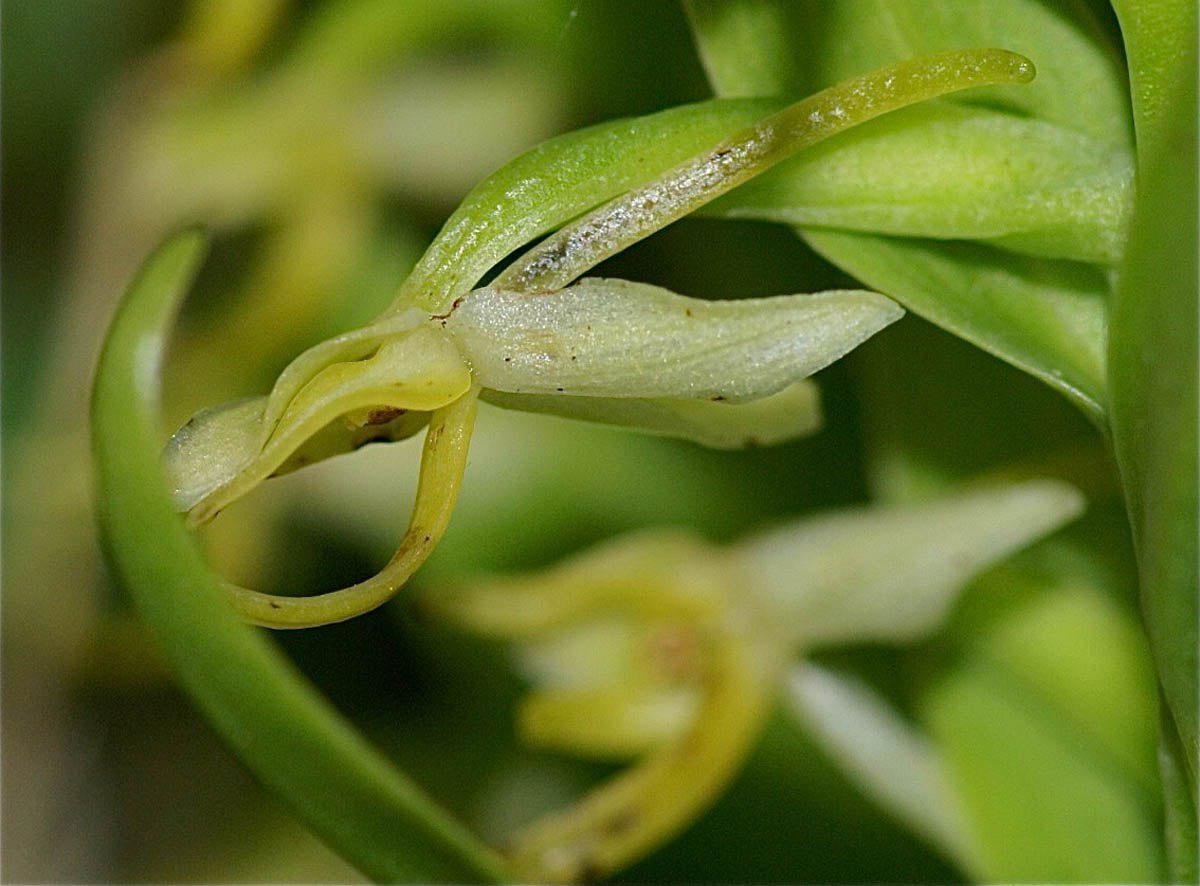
pixel 891 574
pixel 616 338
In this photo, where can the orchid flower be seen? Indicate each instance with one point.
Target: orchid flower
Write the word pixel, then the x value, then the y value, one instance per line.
pixel 669 650
pixel 618 352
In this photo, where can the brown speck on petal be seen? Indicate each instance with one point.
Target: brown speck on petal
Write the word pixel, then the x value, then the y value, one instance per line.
pixel 384 414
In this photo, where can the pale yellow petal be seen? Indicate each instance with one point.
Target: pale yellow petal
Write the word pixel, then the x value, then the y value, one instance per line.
pixel 442 463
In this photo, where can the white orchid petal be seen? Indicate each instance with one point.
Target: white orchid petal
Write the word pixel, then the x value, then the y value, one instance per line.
pixel 888 759
pixel 792 412
pixel 615 338
pixel 214 445
pixel 892 573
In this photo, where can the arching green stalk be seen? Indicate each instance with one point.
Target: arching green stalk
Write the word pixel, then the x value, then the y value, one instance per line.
pixel 275 721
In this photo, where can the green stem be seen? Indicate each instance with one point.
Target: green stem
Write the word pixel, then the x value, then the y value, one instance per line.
pixel 291 737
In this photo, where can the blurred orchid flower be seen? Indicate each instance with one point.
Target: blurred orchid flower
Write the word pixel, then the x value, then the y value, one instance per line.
pixel 664 648
pixel 722 373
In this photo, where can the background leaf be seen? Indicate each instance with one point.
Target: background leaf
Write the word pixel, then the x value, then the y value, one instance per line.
pixel 1044 317
pixel 766 47
pixel 1152 349
pixel 1040 810
pixel 954 171
pixel 1047 643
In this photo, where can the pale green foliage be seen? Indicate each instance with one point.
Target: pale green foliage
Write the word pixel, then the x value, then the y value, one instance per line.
pixel 1153 354
pixel 1063 147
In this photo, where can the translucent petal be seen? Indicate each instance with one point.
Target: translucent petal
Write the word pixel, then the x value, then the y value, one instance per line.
pixel 792 412
pixel 892 573
pixel 214 445
pixel 887 758
pixel 614 338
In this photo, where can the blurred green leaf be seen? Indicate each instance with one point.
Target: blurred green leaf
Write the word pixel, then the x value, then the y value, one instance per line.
pixel 1038 809
pixel 1152 349
pixel 354 38
pixel 1053 628
pixel 1042 316
pixel 284 731
pixel 1046 318
pixel 1178 807
pixel 1048 648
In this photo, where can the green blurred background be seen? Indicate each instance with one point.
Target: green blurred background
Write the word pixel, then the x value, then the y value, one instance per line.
pixel 324 144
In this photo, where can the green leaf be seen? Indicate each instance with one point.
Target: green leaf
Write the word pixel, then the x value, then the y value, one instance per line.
pixel 1049 649
pixel 1046 318
pixel 953 171
pixel 1179 810
pixel 277 723
pixel 1160 43
pixel 1039 809
pixel 1042 316
pixel 1152 372
pixel 794 47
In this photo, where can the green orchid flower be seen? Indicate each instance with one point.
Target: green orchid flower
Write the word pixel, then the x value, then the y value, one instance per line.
pixel 720 373
pixel 669 650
